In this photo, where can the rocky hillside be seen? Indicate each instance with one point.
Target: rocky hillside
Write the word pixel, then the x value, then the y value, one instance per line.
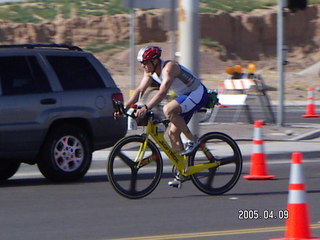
pixel 234 38
pixel 247 36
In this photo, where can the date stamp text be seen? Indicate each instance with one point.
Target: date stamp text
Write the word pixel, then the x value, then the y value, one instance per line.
pixel 255 214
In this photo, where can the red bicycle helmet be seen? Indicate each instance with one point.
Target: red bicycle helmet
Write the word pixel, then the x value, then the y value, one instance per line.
pixel 149 53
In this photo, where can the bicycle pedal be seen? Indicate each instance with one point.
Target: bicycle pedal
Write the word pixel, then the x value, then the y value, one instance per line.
pixel 175 183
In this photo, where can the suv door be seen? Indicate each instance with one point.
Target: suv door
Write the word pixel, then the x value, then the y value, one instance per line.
pixel 25 101
pixel 87 95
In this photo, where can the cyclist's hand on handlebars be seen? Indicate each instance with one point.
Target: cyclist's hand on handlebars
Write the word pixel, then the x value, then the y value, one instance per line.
pixel 141 112
pixel 119 108
pixel 116 115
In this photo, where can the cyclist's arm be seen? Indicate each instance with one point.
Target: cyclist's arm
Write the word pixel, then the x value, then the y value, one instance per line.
pixel 169 72
pixel 140 90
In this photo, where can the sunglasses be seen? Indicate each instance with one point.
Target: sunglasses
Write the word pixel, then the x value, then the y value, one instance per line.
pixel 145 62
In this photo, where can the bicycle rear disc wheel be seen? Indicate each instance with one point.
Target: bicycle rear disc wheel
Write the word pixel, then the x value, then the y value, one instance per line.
pixel 127 177
pixel 222 148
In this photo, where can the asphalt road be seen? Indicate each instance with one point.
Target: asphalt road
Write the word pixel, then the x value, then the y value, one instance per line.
pixel 33 208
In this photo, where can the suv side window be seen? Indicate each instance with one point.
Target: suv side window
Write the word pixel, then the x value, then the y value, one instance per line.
pixel 75 73
pixel 22 75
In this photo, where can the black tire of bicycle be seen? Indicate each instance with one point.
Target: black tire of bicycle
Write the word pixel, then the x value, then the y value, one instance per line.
pixel 156 179
pixel 238 170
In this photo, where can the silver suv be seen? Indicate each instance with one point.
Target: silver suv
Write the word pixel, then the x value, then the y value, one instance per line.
pixel 55 109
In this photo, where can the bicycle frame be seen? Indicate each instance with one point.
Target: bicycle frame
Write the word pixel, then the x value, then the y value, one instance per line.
pixel 136 152
pixel 177 160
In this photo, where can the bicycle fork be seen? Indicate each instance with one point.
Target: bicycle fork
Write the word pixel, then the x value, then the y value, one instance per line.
pixel 142 150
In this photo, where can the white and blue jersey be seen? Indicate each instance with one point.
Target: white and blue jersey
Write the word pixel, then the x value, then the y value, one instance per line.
pixel 192 94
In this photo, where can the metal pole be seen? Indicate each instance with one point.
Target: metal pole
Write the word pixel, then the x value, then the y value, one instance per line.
pixel 189 43
pixel 173 23
pixel 132 50
pixel 280 63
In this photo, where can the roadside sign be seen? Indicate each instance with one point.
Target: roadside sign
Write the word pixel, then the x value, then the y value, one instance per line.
pixel 147 4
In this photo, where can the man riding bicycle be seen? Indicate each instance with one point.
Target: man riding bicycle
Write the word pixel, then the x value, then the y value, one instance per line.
pixel 191 95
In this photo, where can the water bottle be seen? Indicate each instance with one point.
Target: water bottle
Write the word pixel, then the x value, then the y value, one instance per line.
pixel 132 124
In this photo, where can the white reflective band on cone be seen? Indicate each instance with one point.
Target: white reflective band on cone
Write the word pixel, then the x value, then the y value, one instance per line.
pixel 296 174
pixel 297 196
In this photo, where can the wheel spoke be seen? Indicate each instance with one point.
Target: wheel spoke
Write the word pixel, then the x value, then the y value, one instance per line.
pixel 126 160
pixel 133 181
pixel 227 160
pixel 211 177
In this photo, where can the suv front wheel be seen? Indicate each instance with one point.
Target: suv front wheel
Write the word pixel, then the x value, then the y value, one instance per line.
pixel 66 154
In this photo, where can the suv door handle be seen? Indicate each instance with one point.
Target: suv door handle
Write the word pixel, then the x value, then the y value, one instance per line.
pixel 48 101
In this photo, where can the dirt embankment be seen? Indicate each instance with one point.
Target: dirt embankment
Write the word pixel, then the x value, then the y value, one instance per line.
pixel 250 36
pixel 240 38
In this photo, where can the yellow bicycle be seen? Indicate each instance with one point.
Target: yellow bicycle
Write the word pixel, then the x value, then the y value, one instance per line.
pixel 135 164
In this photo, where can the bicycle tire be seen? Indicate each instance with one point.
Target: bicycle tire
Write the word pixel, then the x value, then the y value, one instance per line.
pixel 126 177
pixel 216 181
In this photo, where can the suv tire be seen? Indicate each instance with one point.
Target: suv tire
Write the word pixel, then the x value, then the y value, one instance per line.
pixel 8 169
pixel 66 154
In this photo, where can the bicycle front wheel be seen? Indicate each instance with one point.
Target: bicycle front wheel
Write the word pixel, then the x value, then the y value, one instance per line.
pixel 217 147
pixel 134 171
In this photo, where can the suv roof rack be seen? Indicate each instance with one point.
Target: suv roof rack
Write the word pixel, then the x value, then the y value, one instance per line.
pixel 42 45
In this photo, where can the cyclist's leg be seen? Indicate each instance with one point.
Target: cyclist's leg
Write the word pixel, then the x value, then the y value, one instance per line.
pixel 175 139
pixel 193 101
pixel 173 111
pixel 190 103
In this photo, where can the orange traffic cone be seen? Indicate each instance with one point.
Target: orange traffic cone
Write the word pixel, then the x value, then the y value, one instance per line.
pixel 297 224
pixel 258 168
pixel 310 109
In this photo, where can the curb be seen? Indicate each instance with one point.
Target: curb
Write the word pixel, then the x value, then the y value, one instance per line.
pixel 307 136
pixel 287 155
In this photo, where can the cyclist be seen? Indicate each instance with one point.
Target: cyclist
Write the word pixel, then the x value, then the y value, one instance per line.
pixel 191 95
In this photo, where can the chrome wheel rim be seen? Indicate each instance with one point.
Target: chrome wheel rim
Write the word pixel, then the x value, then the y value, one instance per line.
pixel 68 153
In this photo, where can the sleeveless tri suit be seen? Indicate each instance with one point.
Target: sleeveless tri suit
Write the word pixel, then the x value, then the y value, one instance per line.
pixel 192 94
